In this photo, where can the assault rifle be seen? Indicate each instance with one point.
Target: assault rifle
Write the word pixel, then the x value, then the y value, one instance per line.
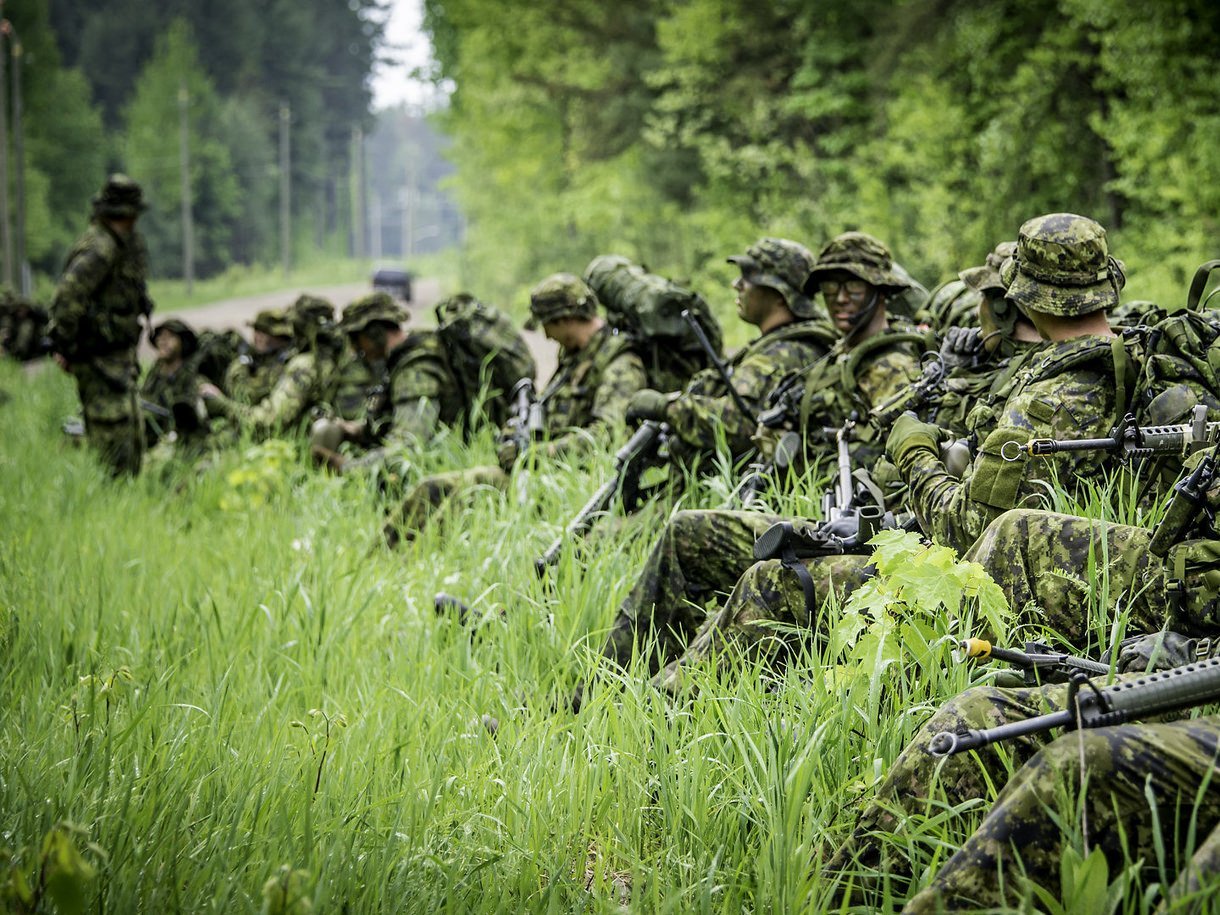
pixel 1129 439
pixel 630 461
pixel 1036 659
pixel 1156 694
pixel 526 422
pixel 1186 508
pixel 927 387
pixel 717 363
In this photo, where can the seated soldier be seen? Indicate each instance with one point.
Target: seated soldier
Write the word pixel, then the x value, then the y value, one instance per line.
pixel 252 375
pixel 791 337
pixel 172 384
pixel 1069 391
pixel 701 553
pixel 418 395
pixel 1135 782
pixel 584 403
pixel 304 385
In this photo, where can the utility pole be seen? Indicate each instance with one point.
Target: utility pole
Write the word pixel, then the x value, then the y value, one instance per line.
pixel 285 189
pixel 375 226
pixel 6 227
pixel 359 236
pixel 24 280
pixel 184 166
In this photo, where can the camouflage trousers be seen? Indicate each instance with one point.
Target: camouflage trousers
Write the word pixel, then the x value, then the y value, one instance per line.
pixel 1134 781
pixel 434 496
pixel 698 559
pixel 109 402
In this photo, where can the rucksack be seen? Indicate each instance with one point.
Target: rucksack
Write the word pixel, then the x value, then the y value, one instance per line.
pixel 648 309
pixel 485 350
pixel 217 350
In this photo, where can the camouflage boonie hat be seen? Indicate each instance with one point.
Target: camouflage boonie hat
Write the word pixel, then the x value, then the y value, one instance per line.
pixel 986 279
pixel 308 313
pixel 1062 266
pixel 181 330
pixel 274 322
pixel 377 306
pixel 119 198
pixel 782 265
pixel 861 255
pixel 560 295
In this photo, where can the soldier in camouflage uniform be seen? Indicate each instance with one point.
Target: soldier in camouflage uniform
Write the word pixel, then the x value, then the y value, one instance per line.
pixel 700 554
pixel 305 385
pixel 418 396
pixel 585 401
pixel 1071 388
pixel 253 375
pixel 95 323
pixel 792 336
pixel 172 382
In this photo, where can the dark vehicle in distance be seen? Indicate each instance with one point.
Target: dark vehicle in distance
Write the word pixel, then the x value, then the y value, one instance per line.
pixel 395 281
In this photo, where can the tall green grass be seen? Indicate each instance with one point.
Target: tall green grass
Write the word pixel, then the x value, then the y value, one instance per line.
pixel 210 693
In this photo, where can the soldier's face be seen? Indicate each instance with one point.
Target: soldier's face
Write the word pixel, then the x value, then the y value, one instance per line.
pixel 846 298
pixel 754 303
pixel 368 348
pixel 267 343
pixel 563 331
pixel 169 345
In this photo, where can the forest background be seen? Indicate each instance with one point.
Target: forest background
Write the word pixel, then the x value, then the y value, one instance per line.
pixel 674 133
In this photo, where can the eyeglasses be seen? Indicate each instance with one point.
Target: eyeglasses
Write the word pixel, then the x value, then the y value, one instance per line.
pixel 856 289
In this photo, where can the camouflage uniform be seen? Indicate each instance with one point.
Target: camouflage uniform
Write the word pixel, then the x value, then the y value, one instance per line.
pixel 585 402
pixel 95 324
pixel 355 381
pixel 305 384
pixel 253 375
pixel 23 327
pixel 1125 766
pixel 1061 390
pixel 701 554
pixel 175 390
pixel 705 410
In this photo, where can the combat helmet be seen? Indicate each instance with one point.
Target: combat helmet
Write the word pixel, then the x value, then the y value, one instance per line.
pixel 861 255
pixel 986 278
pixel 1062 266
pixel 180 329
pixel 560 295
pixel 377 306
pixel 782 265
pixel 273 322
pixel 309 313
pixel 119 198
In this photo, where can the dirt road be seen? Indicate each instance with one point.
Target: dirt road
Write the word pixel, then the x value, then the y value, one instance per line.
pixel 236 312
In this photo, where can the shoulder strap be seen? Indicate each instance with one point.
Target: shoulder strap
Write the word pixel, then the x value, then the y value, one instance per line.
pixel 887 340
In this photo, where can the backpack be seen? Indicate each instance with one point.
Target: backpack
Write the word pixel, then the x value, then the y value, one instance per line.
pixel 1181 369
pixel 648 309
pixel 217 350
pixel 484 350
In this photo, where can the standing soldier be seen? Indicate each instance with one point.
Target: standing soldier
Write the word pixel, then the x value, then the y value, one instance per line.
pixel 95 323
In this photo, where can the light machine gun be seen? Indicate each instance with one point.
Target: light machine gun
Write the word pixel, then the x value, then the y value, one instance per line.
pixel 527 422
pixel 1089 706
pixel 630 461
pixel 1037 659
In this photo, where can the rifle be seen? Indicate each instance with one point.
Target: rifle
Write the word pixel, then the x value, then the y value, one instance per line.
pixel 1038 657
pixel 1129 439
pixel 629 463
pixel 928 386
pixel 717 363
pixel 1155 694
pixel 526 423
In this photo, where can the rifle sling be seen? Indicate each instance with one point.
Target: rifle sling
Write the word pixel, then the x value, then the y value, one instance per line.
pixel 789 561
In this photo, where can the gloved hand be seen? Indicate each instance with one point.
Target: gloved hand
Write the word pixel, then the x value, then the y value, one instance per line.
pixel 646 404
pixel 911 434
pixel 1159 651
pixel 507 453
pixel 960 346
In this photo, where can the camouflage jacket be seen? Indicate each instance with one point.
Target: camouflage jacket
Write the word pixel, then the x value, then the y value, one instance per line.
pixel 101 295
pixel 588 394
pixel 974 395
pixel 302 388
pixel 1071 389
pixel 166 390
pixel 705 409
pixel 355 383
pixel 252 376
pixel 420 392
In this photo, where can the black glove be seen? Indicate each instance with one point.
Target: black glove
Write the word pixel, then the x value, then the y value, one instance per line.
pixel 960 347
